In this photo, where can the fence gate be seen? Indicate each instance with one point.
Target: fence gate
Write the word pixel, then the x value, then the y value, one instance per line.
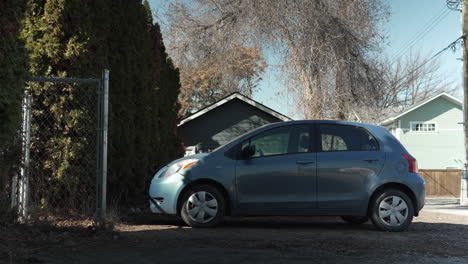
pixel 64 148
pixel 442 182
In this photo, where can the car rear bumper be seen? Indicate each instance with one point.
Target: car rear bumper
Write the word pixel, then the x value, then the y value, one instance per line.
pixel 418 186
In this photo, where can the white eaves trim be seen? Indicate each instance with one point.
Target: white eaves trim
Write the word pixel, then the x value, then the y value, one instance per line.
pixel 445 95
pixel 229 98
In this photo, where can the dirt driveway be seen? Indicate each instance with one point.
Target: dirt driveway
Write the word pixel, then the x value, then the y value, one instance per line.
pixel 433 238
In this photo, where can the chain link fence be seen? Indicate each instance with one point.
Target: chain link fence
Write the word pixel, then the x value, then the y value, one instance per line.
pixel 64 149
pixel 9 165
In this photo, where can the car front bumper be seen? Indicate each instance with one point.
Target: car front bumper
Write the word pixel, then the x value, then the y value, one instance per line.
pixel 164 193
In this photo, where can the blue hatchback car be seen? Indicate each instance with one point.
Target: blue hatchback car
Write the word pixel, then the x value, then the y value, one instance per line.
pixel 324 168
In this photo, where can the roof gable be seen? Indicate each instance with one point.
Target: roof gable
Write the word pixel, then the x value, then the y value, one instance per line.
pixel 228 99
pixel 425 102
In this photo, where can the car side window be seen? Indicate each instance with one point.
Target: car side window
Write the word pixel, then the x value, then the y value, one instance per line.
pixel 346 138
pixel 299 140
pixel 281 140
pixel 272 142
pixel 333 143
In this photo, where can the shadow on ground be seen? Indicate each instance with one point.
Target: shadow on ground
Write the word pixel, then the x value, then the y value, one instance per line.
pixel 432 238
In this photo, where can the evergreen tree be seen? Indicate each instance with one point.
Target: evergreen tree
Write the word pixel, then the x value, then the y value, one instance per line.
pixel 130 102
pixel 77 38
pixel 64 41
pixel 168 82
pixel 162 107
pixel 13 72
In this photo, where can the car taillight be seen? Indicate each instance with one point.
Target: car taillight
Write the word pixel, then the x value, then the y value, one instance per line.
pixel 412 163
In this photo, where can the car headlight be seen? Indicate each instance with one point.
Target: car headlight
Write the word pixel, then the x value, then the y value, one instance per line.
pixel 179 167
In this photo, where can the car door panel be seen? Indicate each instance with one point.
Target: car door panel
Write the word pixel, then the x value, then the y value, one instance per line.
pixel 277 183
pixel 344 177
pixel 348 160
pixel 282 183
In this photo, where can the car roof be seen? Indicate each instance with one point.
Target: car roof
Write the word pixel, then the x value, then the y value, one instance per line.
pixel 378 131
pixel 297 122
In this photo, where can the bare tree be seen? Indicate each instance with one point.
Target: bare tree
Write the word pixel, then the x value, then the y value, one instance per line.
pixel 207 81
pixel 323 45
pixel 401 84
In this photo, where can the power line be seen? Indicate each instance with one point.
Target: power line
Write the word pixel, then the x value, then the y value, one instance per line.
pixel 422 29
pixel 426 29
pixel 452 46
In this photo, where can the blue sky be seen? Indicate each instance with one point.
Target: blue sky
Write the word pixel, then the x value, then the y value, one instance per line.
pixel 408 20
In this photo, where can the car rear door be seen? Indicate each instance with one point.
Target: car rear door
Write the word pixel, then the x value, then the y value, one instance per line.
pixel 280 178
pixel 348 159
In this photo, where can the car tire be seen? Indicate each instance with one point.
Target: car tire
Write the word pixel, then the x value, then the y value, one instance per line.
pixel 392 210
pixel 355 220
pixel 202 206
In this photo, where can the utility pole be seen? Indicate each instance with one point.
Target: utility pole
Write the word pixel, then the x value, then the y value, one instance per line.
pixel 464 8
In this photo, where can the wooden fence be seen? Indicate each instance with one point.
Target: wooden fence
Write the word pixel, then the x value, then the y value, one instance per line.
pixel 442 182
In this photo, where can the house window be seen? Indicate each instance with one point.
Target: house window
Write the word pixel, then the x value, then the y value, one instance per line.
pixel 423 127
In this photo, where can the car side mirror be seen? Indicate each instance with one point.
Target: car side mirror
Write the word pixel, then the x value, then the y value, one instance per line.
pixel 248 151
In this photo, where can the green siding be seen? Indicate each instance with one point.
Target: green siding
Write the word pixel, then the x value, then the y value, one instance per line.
pixel 445 113
pixel 435 150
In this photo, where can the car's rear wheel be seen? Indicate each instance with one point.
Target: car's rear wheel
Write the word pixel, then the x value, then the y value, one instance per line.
pixel 392 210
pixel 355 220
pixel 203 206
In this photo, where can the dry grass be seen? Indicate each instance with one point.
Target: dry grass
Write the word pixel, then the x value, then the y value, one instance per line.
pixel 21 243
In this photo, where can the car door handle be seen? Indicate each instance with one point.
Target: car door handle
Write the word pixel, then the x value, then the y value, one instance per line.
pixel 305 161
pixel 371 159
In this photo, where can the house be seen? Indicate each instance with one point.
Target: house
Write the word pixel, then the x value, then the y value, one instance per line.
pixel 223 121
pixel 432 131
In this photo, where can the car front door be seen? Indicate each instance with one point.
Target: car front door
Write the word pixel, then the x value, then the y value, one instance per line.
pixel 348 159
pixel 280 177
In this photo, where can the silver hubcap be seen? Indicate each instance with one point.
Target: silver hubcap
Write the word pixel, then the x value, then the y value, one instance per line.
pixel 393 211
pixel 202 207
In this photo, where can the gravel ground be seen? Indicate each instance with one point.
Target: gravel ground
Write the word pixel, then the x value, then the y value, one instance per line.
pixel 432 238
pixel 446 206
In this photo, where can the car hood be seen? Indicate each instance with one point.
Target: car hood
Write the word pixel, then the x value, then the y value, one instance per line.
pixel 196 156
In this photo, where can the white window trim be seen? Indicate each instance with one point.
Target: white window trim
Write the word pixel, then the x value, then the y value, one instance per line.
pixel 398 130
pixel 424 122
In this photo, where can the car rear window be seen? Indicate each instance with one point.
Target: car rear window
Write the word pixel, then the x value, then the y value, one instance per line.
pixel 346 138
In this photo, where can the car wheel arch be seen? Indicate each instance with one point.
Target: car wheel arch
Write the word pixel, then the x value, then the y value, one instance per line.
pixel 394 185
pixel 211 182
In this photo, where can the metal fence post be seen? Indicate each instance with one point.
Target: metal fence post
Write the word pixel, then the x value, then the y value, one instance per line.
pixel 104 141
pixel 103 120
pixel 464 189
pixel 14 192
pixel 23 182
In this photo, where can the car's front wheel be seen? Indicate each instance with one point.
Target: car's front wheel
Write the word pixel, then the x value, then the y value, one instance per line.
pixel 392 210
pixel 203 206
